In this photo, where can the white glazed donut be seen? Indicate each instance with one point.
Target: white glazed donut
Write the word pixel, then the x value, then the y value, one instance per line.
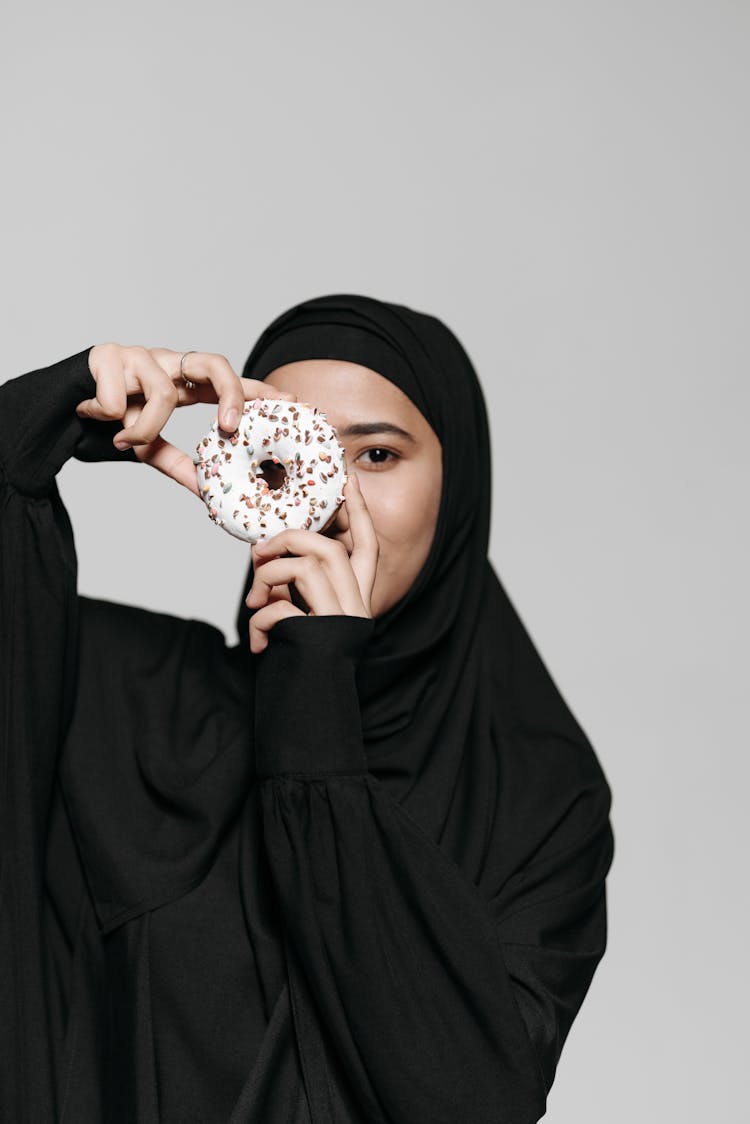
pixel 290 437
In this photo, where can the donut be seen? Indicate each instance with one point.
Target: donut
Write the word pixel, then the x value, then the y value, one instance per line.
pixel 294 443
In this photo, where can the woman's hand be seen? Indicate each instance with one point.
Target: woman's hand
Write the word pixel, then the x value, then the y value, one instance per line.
pixel 329 578
pixel 142 386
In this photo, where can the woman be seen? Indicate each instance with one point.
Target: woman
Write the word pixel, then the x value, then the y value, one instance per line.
pixel 350 869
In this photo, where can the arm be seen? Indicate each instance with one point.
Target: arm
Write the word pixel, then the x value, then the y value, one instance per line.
pixel 442 1005
pixel 39 431
pixel 46 631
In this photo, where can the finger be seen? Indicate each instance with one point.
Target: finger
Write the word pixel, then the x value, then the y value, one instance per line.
pixel 296 541
pixel 365 546
pixel 231 391
pixel 268 390
pixel 161 398
pixel 206 392
pixel 280 593
pixel 198 366
pixel 93 408
pixel 330 553
pixel 254 389
pixel 224 380
pixel 111 396
pixel 131 415
pixel 308 575
pixel 171 461
pixel 263 621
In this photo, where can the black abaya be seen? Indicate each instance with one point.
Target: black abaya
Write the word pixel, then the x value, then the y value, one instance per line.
pixel 360 877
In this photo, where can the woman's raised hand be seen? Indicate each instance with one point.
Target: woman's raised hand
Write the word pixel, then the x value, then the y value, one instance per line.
pixel 330 579
pixel 141 387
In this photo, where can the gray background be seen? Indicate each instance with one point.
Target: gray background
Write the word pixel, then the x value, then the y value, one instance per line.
pixel 566 185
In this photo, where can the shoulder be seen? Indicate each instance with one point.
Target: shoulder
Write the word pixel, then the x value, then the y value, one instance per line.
pixel 171 672
pixel 142 634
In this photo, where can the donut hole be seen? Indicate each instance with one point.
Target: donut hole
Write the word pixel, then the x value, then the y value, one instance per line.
pixel 273 474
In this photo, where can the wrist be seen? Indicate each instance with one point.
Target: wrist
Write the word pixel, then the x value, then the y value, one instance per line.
pixel 307 716
pixel 39 428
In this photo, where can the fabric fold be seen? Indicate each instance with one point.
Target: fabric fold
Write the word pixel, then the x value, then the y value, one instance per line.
pixel 152 779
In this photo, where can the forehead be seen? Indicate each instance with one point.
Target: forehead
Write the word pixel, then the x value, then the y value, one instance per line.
pixel 347 392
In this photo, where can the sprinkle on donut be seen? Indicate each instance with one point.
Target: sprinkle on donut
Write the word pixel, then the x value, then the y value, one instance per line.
pixel 291 437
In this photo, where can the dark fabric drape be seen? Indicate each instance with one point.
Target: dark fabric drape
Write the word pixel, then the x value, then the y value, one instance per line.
pixel 463 724
pixel 359 877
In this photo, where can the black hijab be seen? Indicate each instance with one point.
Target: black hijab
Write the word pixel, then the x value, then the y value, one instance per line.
pixel 425 672
pixel 452 689
pixel 462 721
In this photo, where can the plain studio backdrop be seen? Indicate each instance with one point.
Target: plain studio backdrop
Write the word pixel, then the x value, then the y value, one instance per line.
pixel 566 185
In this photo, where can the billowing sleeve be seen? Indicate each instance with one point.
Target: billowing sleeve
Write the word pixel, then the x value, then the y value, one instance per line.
pixel 441 1002
pixel 39 432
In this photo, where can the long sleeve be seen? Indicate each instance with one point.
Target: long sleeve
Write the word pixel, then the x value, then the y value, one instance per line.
pixel 39 431
pixel 441 1004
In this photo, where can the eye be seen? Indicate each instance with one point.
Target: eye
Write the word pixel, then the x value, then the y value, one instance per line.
pixel 382 456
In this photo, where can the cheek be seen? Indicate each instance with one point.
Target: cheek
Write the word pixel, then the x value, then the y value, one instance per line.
pixel 403 509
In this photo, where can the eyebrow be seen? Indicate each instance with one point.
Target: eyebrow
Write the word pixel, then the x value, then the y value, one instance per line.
pixel 366 429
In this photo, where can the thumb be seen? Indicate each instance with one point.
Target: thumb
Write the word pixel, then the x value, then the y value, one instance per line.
pixel 171 461
pixel 92 408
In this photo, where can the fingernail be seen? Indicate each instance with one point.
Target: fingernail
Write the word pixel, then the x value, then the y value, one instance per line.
pixel 232 417
pixel 124 444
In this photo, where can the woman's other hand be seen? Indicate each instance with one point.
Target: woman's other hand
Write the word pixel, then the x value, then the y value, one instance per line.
pixel 141 387
pixel 328 577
